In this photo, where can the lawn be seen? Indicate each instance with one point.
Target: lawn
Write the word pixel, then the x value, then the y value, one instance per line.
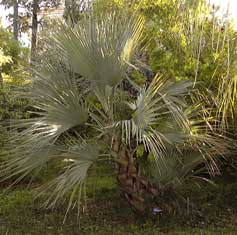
pixel 105 213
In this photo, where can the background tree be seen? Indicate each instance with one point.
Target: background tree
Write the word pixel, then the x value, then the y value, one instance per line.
pixel 14 3
pixel 18 56
pixel 15 20
pixel 73 9
pixel 35 9
pixel 32 16
pixel 3 60
pixel 13 73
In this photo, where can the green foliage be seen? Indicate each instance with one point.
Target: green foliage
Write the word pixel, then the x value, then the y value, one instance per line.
pixel 3 58
pixel 79 127
pixel 174 172
pixel 189 40
pixel 14 68
pixel 13 73
pixel 74 10
pixel 198 46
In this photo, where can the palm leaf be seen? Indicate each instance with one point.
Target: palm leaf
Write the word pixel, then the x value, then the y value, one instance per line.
pixel 161 99
pixel 59 107
pixel 205 138
pixel 99 47
pixel 174 170
pixel 82 156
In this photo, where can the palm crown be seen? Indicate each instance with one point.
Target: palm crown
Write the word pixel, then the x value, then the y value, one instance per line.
pixel 77 97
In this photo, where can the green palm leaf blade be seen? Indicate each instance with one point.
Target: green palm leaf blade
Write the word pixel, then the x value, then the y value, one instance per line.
pixel 32 157
pixel 99 47
pixel 205 138
pixel 162 99
pixel 59 106
pixel 177 168
pixel 58 100
pixel 82 156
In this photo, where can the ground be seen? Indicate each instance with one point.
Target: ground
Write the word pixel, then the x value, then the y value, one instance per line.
pixel 107 213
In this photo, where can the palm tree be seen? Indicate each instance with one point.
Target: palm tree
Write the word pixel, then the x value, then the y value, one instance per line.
pixel 82 113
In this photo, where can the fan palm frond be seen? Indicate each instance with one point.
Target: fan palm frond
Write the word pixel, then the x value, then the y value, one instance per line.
pixel 82 156
pixel 204 137
pixel 174 170
pixel 58 100
pixel 27 157
pixel 99 47
pixel 227 97
pixel 59 107
pixel 161 99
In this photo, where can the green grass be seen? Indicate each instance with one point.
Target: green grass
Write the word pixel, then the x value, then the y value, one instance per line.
pixel 215 212
pixel 108 214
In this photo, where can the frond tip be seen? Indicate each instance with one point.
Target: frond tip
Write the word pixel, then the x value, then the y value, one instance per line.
pixel 82 157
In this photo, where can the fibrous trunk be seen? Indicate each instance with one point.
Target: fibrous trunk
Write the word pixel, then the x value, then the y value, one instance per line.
pixel 135 187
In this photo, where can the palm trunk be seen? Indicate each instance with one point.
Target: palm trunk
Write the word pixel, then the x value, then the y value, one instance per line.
pixel 134 186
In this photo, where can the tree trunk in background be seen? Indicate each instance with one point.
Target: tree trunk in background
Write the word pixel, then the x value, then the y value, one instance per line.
pixel 2 95
pixel 74 8
pixel 34 28
pixel 1 79
pixel 15 20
